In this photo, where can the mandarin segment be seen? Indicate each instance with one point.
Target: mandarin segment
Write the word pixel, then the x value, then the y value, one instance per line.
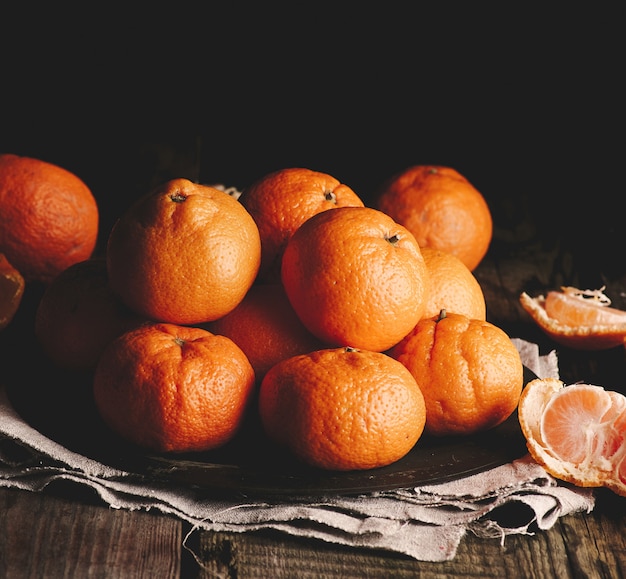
pixel 577 322
pixel 342 409
pixel 48 217
pixel 441 208
pixel 283 200
pixel 355 278
pixel 469 371
pixel 184 253
pixel 170 388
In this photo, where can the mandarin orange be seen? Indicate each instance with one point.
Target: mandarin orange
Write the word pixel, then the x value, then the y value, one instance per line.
pixel 441 208
pixel 469 371
pixel 48 217
pixel 342 409
pixel 355 278
pixel 78 315
pixel 453 287
pixel 184 253
pixel 576 432
pixel 282 200
pixel 170 388
pixel 266 328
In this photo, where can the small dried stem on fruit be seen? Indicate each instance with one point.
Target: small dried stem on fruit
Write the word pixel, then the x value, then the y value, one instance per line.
pixel 442 314
pixel 394 239
pixel 179 341
pixel 330 196
pixel 178 197
pixel 350 349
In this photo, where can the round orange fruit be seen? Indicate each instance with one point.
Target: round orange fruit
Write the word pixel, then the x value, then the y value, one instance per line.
pixel 184 253
pixel 283 200
pixel 342 409
pixel 266 328
pixel 78 315
pixel 355 278
pixel 170 388
pixel 48 217
pixel 469 371
pixel 442 209
pixel 453 287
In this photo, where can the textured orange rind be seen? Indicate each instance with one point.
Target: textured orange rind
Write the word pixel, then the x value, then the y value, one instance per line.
pixel 600 469
pixel 593 337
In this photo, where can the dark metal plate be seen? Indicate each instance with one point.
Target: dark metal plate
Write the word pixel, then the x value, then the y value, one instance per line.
pixel 60 406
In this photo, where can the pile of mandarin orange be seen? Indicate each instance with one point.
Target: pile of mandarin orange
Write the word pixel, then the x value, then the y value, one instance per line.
pixel 350 331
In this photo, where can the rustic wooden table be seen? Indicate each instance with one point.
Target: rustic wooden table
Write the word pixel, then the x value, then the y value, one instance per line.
pixel 69 532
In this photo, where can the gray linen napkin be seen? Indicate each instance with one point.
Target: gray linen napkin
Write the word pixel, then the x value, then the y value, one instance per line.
pixel 426 523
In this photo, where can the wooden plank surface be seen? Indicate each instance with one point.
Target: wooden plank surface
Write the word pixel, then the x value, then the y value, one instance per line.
pixel 56 535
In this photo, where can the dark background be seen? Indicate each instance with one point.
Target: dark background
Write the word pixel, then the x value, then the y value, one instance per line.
pixel 525 102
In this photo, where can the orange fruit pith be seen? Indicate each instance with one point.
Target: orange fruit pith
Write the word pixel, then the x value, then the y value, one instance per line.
pixel 11 291
pixel 48 217
pixel 574 308
pixel 355 278
pixel 172 388
pixel 577 432
pixel 78 315
pixel 579 319
pixel 469 371
pixel 266 328
pixel 283 200
pixel 453 287
pixel 184 253
pixel 442 209
pixel 342 409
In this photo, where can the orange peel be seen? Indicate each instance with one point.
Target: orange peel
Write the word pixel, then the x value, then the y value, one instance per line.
pixel 576 432
pixel 607 332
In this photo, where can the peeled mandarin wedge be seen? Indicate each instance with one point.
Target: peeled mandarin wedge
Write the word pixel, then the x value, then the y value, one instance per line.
pixel 580 319
pixel 577 433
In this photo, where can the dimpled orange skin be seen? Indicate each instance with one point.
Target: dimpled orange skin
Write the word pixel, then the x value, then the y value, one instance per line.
pixel 48 217
pixel 470 373
pixel 578 336
pixel 283 200
pixel 171 388
pixel 453 287
pixel 355 278
pixel 266 328
pixel 339 409
pixel 442 209
pixel 185 253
